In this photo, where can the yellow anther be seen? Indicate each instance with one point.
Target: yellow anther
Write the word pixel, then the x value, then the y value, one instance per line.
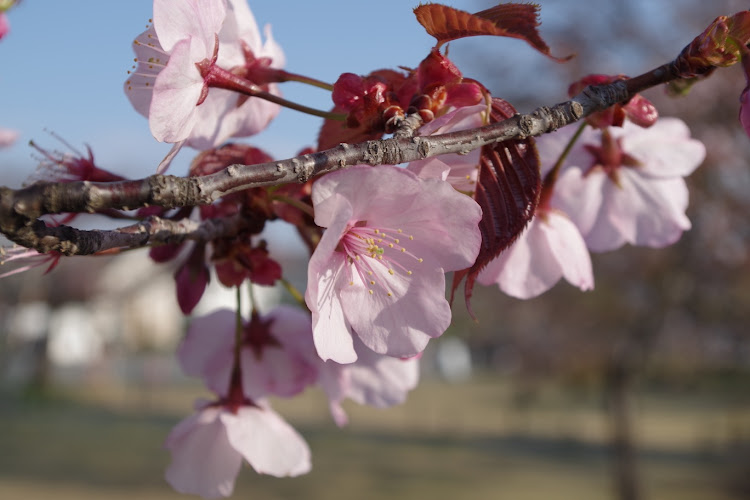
pixel 420 260
pixel 377 231
pixel 409 273
pixel 390 245
pixel 351 282
pixel 411 237
pixel 396 241
pixel 390 294
pixel 369 273
pixel 370 291
pixel 403 249
pixel 400 230
pixel 372 282
pixel 390 271
pixel 380 257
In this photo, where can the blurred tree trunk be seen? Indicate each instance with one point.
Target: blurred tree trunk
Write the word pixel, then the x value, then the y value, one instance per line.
pixel 618 384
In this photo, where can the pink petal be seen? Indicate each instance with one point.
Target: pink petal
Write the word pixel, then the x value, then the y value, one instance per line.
pixel 267 442
pixel 172 115
pixel 151 59
pixel 207 349
pixel 240 24
pixel 331 332
pixel 198 19
pixel 551 247
pixel 381 381
pixel 569 249
pixel 204 462
pixel 527 268
pixel 664 150
pixel 398 327
pixel 648 212
pixel 277 372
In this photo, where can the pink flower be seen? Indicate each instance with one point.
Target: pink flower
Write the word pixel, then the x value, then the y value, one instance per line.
pixel 7 136
pixel 551 247
pixel 460 170
pixel 168 86
pixel 277 356
pixel 4 25
pixel 374 379
pixel 379 269
pixel 625 185
pixel 209 446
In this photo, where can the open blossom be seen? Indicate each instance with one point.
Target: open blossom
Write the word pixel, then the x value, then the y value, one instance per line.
pixel 550 248
pixel 625 185
pixel 168 86
pixel 209 446
pixel 276 356
pixel 379 269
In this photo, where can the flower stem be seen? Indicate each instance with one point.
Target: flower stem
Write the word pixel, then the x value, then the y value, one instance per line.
pixel 551 177
pixel 285 76
pixel 293 292
pixel 238 331
pixel 223 79
pixel 304 207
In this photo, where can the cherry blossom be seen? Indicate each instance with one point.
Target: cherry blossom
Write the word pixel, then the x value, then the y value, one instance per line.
pixel 550 248
pixel 175 56
pixel 379 269
pixel 209 446
pixel 625 185
pixel 277 355
pixel 374 379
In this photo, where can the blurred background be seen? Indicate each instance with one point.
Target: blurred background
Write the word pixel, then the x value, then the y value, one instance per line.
pixel 636 390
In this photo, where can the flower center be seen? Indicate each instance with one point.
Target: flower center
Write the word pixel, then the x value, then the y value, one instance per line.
pixel 376 255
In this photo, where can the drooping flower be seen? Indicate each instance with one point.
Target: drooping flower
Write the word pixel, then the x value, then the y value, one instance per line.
pixel 176 56
pixel 379 269
pixel 374 379
pixel 550 248
pixel 209 446
pixel 625 185
pixel 276 357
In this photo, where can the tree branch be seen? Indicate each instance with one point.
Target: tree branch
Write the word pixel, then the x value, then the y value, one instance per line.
pixel 20 209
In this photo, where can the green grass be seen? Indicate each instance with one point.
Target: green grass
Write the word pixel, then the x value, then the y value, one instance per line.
pixel 449 441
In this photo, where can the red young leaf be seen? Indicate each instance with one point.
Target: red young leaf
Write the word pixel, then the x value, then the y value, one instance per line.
pixel 508 191
pixel 513 20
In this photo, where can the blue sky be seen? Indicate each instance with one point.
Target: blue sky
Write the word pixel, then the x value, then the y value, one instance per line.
pixel 64 63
